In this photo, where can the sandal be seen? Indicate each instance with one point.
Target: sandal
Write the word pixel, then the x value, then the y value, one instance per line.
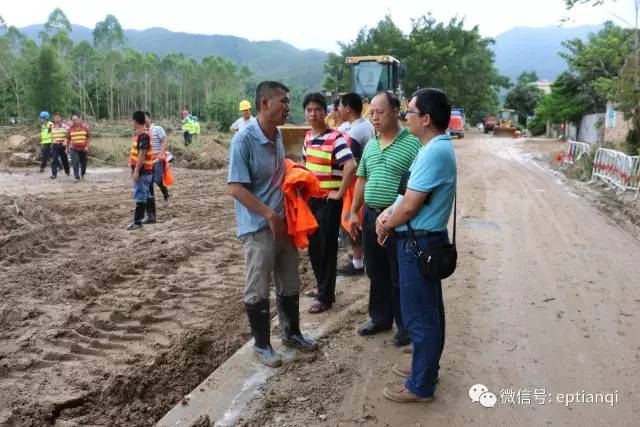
pixel 312 293
pixel 318 307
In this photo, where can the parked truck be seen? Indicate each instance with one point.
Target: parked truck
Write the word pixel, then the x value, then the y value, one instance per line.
pixel 488 123
pixel 456 123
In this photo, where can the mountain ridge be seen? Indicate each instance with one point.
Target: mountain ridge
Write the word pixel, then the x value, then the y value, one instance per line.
pixel 516 50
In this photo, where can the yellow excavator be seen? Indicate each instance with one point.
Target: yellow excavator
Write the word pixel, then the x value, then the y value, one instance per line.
pixel 369 75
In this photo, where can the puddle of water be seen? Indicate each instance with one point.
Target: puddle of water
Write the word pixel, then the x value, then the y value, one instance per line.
pixel 241 400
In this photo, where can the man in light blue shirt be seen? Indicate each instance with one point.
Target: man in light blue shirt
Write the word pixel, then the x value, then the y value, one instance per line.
pixel 256 174
pixel 426 204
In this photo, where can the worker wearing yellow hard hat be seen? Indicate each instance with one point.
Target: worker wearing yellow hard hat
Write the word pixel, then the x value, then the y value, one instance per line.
pixel 245 118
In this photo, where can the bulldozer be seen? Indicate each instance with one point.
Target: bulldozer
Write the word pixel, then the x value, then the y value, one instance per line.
pixel 505 127
pixel 369 75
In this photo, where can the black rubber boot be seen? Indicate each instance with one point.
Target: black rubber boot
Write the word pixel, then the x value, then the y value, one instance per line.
pixel 260 322
pixel 165 193
pixel 137 217
pixel 151 211
pixel 289 318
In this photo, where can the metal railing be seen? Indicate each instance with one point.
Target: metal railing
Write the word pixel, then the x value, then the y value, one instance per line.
pixel 574 152
pixel 617 170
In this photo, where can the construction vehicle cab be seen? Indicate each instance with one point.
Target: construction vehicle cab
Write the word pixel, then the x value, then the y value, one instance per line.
pixel 369 75
pixel 372 74
pixel 507 120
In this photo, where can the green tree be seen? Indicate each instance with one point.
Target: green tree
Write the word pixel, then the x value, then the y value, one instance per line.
pixel 524 96
pixel 598 62
pixel 383 39
pixel 627 99
pixel 47 92
pixel 456 60
pixel 57 29
pixel 563 104
pixel 107 35
pixel 436 55
pixel 12 85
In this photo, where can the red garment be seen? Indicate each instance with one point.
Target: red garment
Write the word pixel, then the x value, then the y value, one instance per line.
pixel 299 186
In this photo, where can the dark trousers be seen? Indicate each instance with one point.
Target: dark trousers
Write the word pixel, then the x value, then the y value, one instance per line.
pixel 79 163
pixel 381 265
pixel 59 159
pixel 46 154
pixel 323 246
pixel 188 137
pixel 158 173
pixel 423 311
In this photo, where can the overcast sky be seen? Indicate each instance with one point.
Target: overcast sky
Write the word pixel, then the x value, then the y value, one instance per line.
pixel 318 24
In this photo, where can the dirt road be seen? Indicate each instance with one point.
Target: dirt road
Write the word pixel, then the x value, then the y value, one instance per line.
pixel 104 327
pixel 545 303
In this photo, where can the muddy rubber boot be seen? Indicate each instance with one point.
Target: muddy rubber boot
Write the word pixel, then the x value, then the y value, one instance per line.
pixel 260 322
pixel 151 211
pixel 137 217
pixel 289 318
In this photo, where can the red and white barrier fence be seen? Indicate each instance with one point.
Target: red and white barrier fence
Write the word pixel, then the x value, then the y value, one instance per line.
pixel 575 150
pixel 617 170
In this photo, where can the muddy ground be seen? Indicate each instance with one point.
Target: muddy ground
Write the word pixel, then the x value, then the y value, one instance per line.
pixel 99 326
pixel 104 326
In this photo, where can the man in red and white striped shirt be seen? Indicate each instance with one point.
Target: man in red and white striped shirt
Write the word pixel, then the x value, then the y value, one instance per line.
pixel 328 155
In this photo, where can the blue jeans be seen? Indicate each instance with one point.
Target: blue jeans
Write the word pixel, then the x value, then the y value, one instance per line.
pixel 158 172
pixel 141 188
pixel 423 315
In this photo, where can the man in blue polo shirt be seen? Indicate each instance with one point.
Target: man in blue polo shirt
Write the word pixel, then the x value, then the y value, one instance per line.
pixel 256 174
pixel 426 204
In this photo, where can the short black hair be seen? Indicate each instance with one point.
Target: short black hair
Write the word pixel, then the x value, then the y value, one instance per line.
pixel 265 90
pixel 148 114
pixel 393 100
pixel 316 97
pixel 435 103
pixel 352 100
pixel 138 117
pixel 336 104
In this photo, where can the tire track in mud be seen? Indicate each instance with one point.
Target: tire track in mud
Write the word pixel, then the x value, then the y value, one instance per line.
pixel 103 326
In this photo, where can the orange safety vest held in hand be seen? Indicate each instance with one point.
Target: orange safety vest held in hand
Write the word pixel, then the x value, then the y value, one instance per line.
pixel 133 155
pixel 299 186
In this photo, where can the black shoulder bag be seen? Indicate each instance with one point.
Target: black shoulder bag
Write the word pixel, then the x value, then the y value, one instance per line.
pixel 436 262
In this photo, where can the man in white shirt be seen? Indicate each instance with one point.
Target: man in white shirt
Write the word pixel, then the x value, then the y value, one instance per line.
pixel 245 119
pixel 361 131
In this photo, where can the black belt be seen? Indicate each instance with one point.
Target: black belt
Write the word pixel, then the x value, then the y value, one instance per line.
pixel 421 233
pixel 377 211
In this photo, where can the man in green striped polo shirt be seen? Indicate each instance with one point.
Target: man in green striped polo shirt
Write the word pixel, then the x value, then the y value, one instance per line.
pixel 384 160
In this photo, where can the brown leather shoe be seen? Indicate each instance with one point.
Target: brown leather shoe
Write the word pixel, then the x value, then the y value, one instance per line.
pixel 400 394
pixel 402 369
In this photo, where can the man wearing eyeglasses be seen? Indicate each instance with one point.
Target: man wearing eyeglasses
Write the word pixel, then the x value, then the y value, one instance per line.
pixel 433 179
pixel 384 161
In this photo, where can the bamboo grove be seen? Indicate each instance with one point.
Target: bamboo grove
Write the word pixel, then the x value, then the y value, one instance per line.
pixel 106 80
